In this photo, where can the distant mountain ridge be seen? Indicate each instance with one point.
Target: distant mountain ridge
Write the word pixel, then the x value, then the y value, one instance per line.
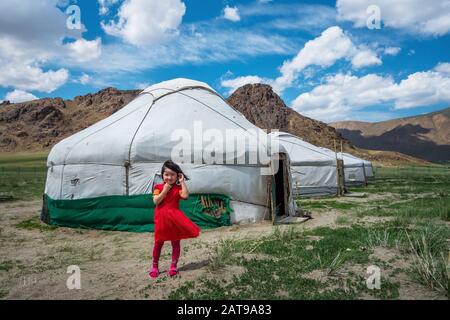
pixel 39 124
pixel 265 109
pixel 425 136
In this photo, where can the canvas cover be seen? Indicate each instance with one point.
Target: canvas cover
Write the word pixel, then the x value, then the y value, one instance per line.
pixel 368 168
pixel 121 156
pixel 313 171
pixel 354 174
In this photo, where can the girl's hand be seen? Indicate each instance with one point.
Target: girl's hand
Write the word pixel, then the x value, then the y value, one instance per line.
pixel 180 177
pixel 167 187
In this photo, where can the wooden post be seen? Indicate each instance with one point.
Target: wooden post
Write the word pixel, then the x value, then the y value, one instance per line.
pixel 365 177
pixel 334 144
pixel 341 177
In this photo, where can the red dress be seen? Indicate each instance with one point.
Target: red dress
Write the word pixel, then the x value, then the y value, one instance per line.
pixel 170 222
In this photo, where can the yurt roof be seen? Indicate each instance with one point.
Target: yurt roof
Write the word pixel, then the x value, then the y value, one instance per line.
pixel 301 152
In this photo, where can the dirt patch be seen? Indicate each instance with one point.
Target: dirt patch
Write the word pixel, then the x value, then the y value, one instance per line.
pixel 368 197
pixel 114 265
pixel 393 267
pixel 409 290
pixel 323 219
pixel 253 256
pixel 374 219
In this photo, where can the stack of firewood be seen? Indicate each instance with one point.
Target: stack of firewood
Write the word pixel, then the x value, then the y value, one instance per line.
pixel 213 207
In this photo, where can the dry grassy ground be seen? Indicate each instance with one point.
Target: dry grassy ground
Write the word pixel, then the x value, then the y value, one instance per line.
pixel 113 265
pixel 324 258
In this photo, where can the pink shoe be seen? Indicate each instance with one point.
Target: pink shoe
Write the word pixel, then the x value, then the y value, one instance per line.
pixel 173 271
pixel 154 273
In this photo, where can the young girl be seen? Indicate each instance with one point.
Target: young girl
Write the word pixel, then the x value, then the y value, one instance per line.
pixel 170 222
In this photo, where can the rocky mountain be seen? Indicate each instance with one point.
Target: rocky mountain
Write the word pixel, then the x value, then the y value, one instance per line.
pixel 39 124
pixel 426 136
pixel 265 109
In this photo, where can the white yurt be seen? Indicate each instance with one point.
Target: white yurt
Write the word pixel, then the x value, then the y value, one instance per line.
pixel 314 172
pixel 354 174
pixel 102 177
pixel 368 168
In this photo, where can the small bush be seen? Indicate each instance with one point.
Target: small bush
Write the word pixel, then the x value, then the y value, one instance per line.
pixel 221 255
pixel 430 260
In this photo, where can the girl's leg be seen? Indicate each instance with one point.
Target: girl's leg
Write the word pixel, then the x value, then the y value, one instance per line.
pixel 156 254
pixel 176 249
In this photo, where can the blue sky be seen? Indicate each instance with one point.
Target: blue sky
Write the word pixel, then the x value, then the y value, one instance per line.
pixel 368 60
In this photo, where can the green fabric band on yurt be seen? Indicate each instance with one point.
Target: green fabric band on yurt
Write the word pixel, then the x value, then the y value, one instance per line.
pixel 129 213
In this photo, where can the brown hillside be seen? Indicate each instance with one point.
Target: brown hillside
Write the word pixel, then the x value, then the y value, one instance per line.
pixel 264 108
pixel 39 124
pixel 425 136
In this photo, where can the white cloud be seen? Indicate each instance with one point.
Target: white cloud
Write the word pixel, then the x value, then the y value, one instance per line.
pixel 422 89
pixel 31 35
pixel 309 18
pixel 105 5
pixel 343 94
pixel 324 51
pixel 332 45
pixel 146 22
pixel 84 79
pixel 32 77
pixel 235 83
pixel 231 13
pixel 142 85
pixel 392 51
pixel 17 96
pixel 409 15
pixel 365 58
pixel 84 50
pixel 340 94
pixel 207 44
pixel 291 16
pixel 443 68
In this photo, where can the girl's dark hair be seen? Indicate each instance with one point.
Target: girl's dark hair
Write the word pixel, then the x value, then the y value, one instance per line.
pixel 169 164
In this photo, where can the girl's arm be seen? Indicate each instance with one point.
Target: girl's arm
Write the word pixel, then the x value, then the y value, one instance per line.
pixel 158 197
pixel 184 192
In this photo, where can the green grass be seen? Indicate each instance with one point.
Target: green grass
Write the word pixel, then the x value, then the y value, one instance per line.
pixel 418 200
pixel 288 255
pixel 432 207
pixel 8 265
pixel 289 262
pixel 221 255
pixel 325 204
pixel 416 192
pixel 286 269
pixel 22 176
pixel 409 179
pixel 35 224
pixel 421 193
pixel 23 160
pixel 342 220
